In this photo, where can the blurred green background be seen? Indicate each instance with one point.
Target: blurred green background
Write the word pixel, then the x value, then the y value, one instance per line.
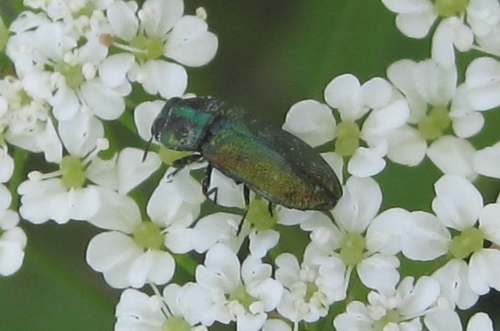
pixel 271 55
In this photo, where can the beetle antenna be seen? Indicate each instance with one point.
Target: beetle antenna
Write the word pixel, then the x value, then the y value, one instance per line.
pixel 147 149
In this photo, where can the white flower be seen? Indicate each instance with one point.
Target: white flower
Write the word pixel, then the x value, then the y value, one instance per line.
pixel 159 30
pixel 132 254
pixel 171 311
pixel 62 195
pixel 26 120
pixel 366 146
pixel 399 309
pixel 458 206
pixel 138 251
pixel 124 171
pixel 361 240
pixel 12 238
pixel 240 292
pixel 304 297
pixel 68 80
pixel 434 108
pixel 461 22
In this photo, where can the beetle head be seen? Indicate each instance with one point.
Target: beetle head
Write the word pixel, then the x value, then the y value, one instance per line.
pixel 182 123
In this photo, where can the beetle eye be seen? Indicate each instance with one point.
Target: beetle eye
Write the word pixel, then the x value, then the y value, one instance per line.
pixel 157 127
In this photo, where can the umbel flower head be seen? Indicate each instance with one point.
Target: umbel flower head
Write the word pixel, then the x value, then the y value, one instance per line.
pixel 82 88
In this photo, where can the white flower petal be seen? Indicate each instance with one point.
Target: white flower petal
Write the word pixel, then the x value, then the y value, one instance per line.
pixel 133 170
pixel 49 143
pixel 344 93
pixel 489 224
pixel 385 231
pixel 113 69
pixel 483 82
pixel 212 229
pixel 190 43
pixel 262 241
pixel 65 104
pixel 442 320
pixel 105 102
pixel 437 85
pixel 376 92
pixel 379 272
pixel 406 146
pixel 486 161
pixel 421 297
pixel 229 193
pixel 159 16
pixel 467 125
pixel 452 278
pixel 311 121
pixel 80 134
pixel 416 25
pixel 480 321
pixel 484 268
pixel 365 162
pixel 12 243
pixel 424 238
pixel 453 155
pixel 6 165
pixel 168 79
pixel 442 50
pixel 221 269
pixel 458 203
pixel 152 266
pixel 144 115
pixel 392 116
pixel 109 249
pixel 122 18
pixel 359 204
pixel 117 212
pixel 179 240
pixel 408 6
pixel 269 292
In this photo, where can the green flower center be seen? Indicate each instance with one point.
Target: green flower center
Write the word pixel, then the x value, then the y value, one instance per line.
pixel 86 10
pixel 150 47
pixel 447 8
pixel 148 235
pixel 310 290
pixel 258 215
pixel 352 248
pixel 175 323
pixel 435 124
pixel 73 74
pixel 241 295
pixel 391 316
pixel 469 241
pixel 347 141
pixel 73 172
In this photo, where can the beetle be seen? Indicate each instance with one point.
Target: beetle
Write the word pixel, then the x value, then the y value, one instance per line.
pixel 266 159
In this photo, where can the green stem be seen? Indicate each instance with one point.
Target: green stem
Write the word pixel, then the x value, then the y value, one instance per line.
pixel 20 156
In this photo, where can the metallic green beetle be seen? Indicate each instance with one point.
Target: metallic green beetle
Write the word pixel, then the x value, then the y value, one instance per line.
pixel 266 159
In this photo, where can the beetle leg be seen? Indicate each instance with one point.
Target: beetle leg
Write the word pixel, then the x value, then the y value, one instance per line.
pixel 246 197
pixel 270 208
pixel 205 184
pixel 181 163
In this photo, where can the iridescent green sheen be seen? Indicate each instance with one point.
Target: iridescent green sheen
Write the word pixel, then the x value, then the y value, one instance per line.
pixel 268 160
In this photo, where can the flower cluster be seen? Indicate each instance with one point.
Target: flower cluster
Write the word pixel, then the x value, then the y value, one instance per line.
pixel 78 66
